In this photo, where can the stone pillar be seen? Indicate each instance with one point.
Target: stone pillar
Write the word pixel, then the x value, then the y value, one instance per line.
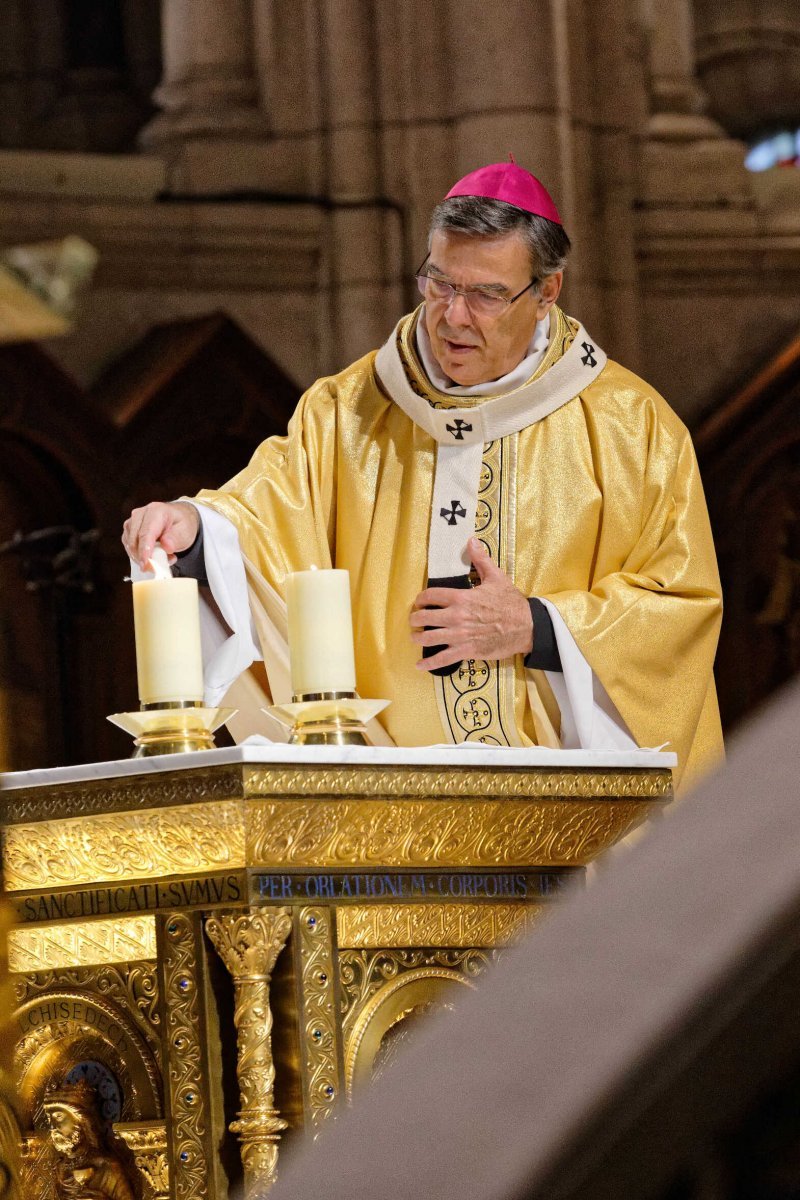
pixel 695 196
pixel 209 87
pixel 748 61
pixel 688 161
pixel 365 259
pixel 677 102
pixel 249 943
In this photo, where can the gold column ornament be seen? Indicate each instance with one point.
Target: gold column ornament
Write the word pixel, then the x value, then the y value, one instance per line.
pixel 249 944
pixel 147 1141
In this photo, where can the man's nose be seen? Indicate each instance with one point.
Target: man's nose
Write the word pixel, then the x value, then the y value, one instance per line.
pixel 457 311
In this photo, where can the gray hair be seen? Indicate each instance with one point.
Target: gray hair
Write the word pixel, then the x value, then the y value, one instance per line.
pixel 547 242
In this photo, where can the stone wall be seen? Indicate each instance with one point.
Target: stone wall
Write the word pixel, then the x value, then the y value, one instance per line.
pixel 299 146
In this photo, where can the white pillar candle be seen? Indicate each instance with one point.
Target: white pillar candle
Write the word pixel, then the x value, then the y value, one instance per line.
pixel 320 632
pixel 169 660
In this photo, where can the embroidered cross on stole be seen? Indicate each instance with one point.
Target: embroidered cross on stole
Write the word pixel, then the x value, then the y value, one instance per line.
pixel 476 702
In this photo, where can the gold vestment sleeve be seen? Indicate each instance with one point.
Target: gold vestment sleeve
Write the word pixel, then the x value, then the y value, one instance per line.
pixel 648 613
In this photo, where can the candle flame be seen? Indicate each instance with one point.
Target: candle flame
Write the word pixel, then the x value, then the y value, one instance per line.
pixel 159 564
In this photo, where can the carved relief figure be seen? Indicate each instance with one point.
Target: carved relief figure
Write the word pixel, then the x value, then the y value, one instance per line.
pixel 88 1168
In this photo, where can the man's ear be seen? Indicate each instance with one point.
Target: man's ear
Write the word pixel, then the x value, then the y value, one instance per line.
pixel 549 291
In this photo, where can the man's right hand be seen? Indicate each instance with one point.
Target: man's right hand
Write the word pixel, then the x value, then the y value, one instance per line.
pixel 175 526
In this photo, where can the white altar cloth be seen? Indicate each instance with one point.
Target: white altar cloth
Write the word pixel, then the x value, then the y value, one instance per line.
pixel 280 754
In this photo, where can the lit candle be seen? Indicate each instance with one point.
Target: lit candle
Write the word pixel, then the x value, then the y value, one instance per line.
pixel 320 632
pixel 166 617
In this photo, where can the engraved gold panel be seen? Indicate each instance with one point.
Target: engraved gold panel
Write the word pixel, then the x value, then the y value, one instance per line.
pixel 185 1074
pixel 117 846
pixel 37 1175
pixel 132 986
pixel 82 944
pixel 62 1026
pixel 429 782
pixel 406 833
pixel 318 1031
pixel 169 789
pixel 206 785
pixel 459 924
pixel 157 842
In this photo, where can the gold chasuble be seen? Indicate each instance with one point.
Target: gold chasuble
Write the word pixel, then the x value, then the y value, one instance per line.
pixel 592 500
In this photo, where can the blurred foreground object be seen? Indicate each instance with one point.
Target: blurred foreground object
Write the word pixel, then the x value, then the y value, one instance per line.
pixel 40 285
pixel 641 1044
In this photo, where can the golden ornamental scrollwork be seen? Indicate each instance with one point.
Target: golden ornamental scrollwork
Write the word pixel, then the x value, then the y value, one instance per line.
pixel 362 973
pixel 164 790
pixel 249 943
pixel 58 1028
pixel 185 1070
pixel 406 833
pixel 140 845
pixel 318 1029
pixel 82 943
pixel 134 988
pixel 461 924
pixel 178 789
pixel 140 981
pixel 428 782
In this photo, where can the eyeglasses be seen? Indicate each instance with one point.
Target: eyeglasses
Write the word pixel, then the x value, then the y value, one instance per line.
pixel 481 301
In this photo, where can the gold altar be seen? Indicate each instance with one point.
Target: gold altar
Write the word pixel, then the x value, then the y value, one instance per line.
pixel 226 945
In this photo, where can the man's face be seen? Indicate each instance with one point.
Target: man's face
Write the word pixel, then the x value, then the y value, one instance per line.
pixel 64 1131
pixel 476 349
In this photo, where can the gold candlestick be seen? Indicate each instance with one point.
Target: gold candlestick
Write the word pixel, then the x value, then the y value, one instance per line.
pixel 327 718
pixel 173 727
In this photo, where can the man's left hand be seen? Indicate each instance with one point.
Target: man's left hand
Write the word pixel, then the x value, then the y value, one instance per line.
pixel 492 620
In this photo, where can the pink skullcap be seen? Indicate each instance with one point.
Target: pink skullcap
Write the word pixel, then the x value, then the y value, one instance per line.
pixel 508 182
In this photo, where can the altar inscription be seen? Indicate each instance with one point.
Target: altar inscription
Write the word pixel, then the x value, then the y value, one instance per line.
pixel 198 892
pixel 81 1011
pixel 404 885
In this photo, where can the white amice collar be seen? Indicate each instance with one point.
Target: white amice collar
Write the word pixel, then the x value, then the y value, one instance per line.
pixel 520 374
pixel 512 403
pixel 499 414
